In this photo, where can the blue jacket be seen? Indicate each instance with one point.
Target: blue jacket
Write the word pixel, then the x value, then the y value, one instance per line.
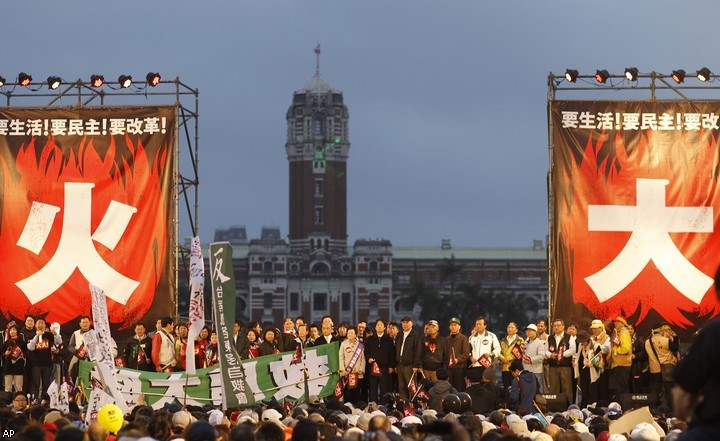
pixel 523 393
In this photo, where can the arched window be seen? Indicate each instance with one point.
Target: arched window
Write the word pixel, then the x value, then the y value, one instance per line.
pixel 318 126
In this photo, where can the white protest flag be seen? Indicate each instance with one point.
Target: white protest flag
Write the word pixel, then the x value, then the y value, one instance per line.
pixel 63 403
pixel 53 393
pixel 98 398
pixel 197 303
pixel 104 361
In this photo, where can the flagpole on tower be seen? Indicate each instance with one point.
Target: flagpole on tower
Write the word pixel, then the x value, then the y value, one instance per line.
pixel 317 58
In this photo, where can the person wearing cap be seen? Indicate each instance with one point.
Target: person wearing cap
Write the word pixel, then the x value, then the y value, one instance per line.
pixel 458 353
pixel 408 347
pixel 534 354
pixel 560 351
pixel 433 352
pixel 620 358
pixel 482 343
pixel 598 349
pixel 661 348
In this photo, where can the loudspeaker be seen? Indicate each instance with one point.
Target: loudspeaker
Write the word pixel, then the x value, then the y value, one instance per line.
pixel 634 401
pixel 555 403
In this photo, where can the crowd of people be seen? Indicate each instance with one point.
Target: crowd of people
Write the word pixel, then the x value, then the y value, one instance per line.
pixel 398 382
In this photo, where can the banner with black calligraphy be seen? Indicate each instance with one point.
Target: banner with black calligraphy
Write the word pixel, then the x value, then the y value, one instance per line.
pixel 636 210
pixel 86 196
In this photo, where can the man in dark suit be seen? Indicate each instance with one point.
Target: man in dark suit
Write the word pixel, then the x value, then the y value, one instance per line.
pixel 326 335
pixel 380 356
pixel 408 347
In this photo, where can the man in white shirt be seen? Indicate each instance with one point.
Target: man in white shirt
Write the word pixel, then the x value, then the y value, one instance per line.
pixel 482 343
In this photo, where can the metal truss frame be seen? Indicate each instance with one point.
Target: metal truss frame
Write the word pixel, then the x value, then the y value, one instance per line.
pixel 81 94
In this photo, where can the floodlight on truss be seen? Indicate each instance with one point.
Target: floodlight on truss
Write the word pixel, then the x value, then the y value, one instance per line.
pixel 24 79
pixel 2 81
pixel 53 82
pixel 125 81
pixel 704 74
pixel 678 76
pixel 97 80
pixel 631 73
pixel 601 76
pixel 571 75
pixel 153 78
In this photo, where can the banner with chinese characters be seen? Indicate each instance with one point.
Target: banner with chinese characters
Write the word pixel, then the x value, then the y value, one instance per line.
pixel 636 211
pixel 222 279
pixel 86 196
pixel 267 377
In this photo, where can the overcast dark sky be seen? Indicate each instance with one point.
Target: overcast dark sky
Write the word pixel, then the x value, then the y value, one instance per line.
pixel 447 99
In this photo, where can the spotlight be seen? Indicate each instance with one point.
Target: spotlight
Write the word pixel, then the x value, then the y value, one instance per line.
pixel 2 81
pixel 601 76
pixel 24 79
pixel 54 82
pixel 631 73
pixel 704 74
pixel 125 81
pixel 571 75
pixel 153 79
pixel 97 80
pixel 678 76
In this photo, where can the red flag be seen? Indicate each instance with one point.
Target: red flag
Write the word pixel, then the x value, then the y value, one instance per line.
pixel 339 389
pixel 375 368
pixel 317 49
pixel 423 394
pixel 298 355
pixel 408 411
pixel 119 361
pixel 412 387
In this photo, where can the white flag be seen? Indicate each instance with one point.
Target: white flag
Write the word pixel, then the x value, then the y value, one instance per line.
pixel 105 363
pixel 197 303
pixel 63 403
pixel 53 392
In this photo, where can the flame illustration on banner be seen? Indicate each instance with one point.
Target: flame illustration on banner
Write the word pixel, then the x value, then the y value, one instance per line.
pixel 112 201
pixel 610 192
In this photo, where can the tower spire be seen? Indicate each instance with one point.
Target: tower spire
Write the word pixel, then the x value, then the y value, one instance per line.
pixel 317 59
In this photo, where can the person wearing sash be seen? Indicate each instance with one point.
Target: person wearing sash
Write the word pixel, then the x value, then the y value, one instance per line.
pixel 510 350
pixel 352 365
pixel 561 349
pixel 661 348
pixel 14 352
pixel 138 350
pixel 163 347
pixel 620 358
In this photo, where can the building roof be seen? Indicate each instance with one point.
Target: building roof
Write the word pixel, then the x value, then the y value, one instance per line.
pixel 437 253
pixel 318 84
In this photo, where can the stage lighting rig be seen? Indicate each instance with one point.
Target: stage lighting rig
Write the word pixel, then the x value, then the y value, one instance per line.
pixel 704 74
pixel 125 81
pixel 631 73
pixel 97 80
pixel 571 75
pixel 153 78
pixel 678 76
pixel 2 81
pixel 24 79
pixel 53 82
pixel 601 76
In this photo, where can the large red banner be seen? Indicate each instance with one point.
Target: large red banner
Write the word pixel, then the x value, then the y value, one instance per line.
pixel 636 211
pixel 86 196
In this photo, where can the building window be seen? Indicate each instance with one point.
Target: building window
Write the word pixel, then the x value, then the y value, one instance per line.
pixel 267 300
pixel 267 267
pixel 319 166
pixel 373 267
pixel 318 126
pixel 345 302
pixel 373 300
pixel 294 301
pixel 319 218
pixel 319 301
pixel 319 187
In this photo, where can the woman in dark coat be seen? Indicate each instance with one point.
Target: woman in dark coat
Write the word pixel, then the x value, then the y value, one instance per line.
pixel 270 344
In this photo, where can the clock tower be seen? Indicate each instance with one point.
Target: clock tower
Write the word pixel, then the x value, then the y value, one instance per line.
pixel 317 150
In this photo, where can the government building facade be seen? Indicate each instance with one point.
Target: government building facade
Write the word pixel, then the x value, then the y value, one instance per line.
pixel 313 271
